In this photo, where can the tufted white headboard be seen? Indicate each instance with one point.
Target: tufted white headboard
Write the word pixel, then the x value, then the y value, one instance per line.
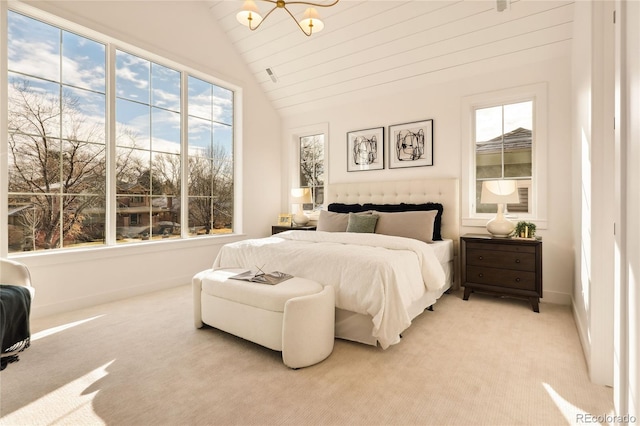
pixel 443 191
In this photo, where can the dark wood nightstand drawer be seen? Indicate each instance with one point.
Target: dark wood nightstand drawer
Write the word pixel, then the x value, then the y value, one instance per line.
pixel 523 280
pixel 510 247
pixel 501 259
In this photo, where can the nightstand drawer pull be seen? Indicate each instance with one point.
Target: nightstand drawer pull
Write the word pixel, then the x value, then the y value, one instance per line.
pixel 517 260
pixel 480 275
pixel 517 280
pixel 480 258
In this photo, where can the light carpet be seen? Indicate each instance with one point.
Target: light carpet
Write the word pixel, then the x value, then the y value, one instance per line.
pixel 140 361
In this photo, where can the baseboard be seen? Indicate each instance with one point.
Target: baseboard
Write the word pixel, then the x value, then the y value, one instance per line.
pixel 40 311
pixel 557 298
pixel 581 329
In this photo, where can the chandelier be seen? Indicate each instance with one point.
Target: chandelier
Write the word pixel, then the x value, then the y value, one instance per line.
pixel 311 23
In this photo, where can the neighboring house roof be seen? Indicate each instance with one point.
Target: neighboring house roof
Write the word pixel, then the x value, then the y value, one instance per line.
pixel 515 140
pixel 131 188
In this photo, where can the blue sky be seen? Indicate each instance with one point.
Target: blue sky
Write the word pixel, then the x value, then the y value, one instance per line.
pixel 147 93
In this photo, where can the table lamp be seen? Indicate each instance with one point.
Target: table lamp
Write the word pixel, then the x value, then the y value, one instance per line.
pixel 300 196
pixel 500 192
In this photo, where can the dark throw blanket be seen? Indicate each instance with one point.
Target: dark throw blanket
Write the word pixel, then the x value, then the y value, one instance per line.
pixel 15 306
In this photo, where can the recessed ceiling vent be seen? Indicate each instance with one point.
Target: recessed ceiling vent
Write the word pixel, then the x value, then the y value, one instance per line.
pixel 502 5
pixel 272 75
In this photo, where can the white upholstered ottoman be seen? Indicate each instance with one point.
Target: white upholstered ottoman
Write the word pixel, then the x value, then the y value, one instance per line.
pixel 295 316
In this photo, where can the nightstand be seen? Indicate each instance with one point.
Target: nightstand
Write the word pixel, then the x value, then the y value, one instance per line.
pixel 502 266
pixel 276 228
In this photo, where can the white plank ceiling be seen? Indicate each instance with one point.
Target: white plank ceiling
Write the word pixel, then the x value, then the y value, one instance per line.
pixel 373 47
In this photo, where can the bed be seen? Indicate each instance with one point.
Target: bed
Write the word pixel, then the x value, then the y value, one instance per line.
pixel 382 281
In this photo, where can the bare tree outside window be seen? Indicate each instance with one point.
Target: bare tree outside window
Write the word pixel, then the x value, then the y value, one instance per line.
pixel 53 182
pixel 58 144
pixel 312 168
pixel 210 174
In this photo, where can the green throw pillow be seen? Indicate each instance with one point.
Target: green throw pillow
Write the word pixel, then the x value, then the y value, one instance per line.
pixel 362 223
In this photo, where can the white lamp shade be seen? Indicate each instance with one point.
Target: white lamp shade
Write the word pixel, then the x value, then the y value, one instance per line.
pixel 249 16
pixel 499 192
pixel 300 196
pixel 311 22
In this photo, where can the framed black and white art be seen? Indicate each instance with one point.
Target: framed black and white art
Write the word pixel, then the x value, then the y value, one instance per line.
pixel 365 149
pixel 411 144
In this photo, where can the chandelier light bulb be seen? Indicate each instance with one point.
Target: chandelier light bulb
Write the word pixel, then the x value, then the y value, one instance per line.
pixel 311 22
pixel 249 16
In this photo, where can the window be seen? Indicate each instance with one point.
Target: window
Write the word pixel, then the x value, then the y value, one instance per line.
pixel 210 158
pixel 505 138
pixel 312 168
pixel 307 168
pixel 147 149
pixel 56 136
pixel 503 142
pixel 62 157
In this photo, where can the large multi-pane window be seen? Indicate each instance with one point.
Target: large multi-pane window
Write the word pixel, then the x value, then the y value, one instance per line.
pixel 503 150
pixel 312 168
pixel 60 149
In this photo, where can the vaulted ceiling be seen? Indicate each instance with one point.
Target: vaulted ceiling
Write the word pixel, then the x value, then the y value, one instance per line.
pixel 373 47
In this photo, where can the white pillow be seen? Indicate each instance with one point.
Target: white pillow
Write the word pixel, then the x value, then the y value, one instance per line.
pixel 417 225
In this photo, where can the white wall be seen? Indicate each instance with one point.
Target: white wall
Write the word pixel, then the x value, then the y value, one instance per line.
pixel 627 347
pixel 442 102
pixel 581 134
pixel 183 32
pixel 593 185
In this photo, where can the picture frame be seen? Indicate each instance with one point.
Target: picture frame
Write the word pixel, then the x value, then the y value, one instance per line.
pixel 365 149
pixel 285 219
pixel 411 144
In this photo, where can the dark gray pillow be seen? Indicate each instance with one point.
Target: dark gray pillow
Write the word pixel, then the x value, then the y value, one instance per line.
pixel 345 208
pixel 362 223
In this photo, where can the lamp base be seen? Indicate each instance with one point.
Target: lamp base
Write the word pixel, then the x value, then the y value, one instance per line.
pixel 300 219
pixel 500 227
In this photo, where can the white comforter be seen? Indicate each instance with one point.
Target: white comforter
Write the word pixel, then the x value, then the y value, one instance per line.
pixel 372 274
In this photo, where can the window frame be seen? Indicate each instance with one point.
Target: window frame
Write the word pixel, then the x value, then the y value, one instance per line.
pixel 112 44
pixel 538 192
